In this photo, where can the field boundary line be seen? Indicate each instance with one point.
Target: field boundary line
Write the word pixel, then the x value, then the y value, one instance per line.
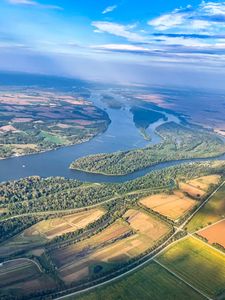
pixel 208 226
pixel 24 258
pixel 183 280
pixel 148 260
pixel 207 244
pixel 202 204
pixel 125 273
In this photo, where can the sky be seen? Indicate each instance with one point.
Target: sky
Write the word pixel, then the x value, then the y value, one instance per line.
pixel 116 40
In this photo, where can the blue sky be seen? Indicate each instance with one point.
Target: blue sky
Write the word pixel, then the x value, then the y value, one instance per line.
pixel 39 34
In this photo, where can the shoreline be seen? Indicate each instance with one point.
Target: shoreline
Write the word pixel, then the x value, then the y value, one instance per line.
pixel 182 160
pixel 55 148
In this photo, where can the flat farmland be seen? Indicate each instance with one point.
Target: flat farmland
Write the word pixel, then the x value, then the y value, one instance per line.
pixel 22 276
pixel 215 234
pixel 147 226
pixel 172 205
pixel 34 121
pixel 198 264
pixel 46 230
pixel 198 187
pixel 114 231
pixel 58 226
pixel 75 260
pixel 118 243
pixel 150 282
pixel 204 182
pixel 213 211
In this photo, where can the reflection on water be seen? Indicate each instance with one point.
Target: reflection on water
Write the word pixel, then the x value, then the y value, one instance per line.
pixel 122 134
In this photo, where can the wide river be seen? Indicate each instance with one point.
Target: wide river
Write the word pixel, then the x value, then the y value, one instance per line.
pixel 120 135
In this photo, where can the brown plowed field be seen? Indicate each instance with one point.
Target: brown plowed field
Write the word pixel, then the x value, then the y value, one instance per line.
pixel 121 241
pixel 172 206
pixel 215 233
pixel 198 187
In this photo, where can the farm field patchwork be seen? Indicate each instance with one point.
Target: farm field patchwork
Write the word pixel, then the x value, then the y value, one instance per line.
pixel 151 228
pixel 46 230
pixel 74 261
pixel 172 205
pixel 34 120
pixel 204 182
pixel 21 277
pixel 150 282
pixel 118 243
pixel 198 187
pixel 213 211
pixel 215 234
pixel 69 223
pixel 198 264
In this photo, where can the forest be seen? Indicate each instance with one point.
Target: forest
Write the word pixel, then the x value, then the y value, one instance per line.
pixel 178 142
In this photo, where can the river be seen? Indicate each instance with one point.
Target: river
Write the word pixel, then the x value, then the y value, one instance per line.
pixel 121 135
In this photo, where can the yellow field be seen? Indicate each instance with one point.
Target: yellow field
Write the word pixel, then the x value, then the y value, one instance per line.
pixel 58 226
pixel 24 276
pixel 198 264
pixel 198 187
pixel 46 230
pixel 119 242
pixel 172 206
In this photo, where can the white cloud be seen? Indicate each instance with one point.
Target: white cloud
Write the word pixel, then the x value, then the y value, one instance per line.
pixel 184 42
pixel 109 9
pixel 33 3
pixel 26 2
pixel 167 21
pixel 213 8
pixel 120 30
pixel 120 47
pixel 200 24
pixel 208 15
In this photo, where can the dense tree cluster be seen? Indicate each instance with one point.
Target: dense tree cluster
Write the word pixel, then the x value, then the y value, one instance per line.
pixel 34 187
pixel 179 142
pixel 34 194
pixel 13 226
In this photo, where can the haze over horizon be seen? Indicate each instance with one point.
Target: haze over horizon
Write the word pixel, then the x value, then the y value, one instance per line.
pixel 119 41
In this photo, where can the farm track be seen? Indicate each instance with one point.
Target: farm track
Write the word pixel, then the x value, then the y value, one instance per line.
pixel 206 227
pixel 148 257
pixel 181 279
pixel 24 258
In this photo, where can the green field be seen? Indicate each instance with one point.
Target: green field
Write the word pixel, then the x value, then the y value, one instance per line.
pixel 198 264
pixel 151 282
pixel 212 212
pixel 52 138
